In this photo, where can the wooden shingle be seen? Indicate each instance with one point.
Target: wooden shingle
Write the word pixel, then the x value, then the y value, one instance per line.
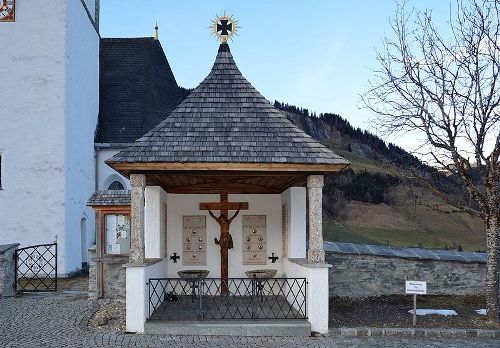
pixel 226 120
pixel 109 197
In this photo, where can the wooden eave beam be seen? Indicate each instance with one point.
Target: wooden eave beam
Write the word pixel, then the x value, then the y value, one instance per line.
pixel 111 208
pixel 224 183
pixel 127 168
pixel 200 189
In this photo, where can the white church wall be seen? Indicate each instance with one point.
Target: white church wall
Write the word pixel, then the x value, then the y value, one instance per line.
pixel 105 174
pixel 82 107
pixel 295 200
pixel 91 5
pixel 154 231
pixel 32 125
pixel 46 129
pixel 179 205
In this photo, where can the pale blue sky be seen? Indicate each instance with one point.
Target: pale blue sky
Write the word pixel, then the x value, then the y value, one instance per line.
pixel 314 54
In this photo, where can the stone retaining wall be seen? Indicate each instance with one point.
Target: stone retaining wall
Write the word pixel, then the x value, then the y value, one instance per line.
pixel 113 276
pixel 357 271
pixel 355 275
pixel 114 281
pixel 7 270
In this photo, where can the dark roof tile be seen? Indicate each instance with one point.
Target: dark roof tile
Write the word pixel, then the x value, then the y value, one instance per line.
pixel 137 89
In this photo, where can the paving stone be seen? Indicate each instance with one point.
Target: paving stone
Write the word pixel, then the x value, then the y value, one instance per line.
pixel 35 321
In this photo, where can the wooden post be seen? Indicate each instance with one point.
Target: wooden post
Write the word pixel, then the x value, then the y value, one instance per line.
pixel 414 309
pixel 225 242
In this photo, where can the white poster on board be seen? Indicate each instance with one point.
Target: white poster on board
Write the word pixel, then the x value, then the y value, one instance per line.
pixel 117 234
pixel 416 287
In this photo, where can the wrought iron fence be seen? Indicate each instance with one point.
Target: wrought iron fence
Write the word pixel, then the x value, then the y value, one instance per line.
pixel 206 299
pixel 36 268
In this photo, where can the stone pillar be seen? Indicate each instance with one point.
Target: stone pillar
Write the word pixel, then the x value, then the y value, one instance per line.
pixel 138 183
pixel 315 253
pixel 7 270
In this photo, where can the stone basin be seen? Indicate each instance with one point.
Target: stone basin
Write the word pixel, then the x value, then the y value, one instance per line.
pixel 261 273
pixel 191 274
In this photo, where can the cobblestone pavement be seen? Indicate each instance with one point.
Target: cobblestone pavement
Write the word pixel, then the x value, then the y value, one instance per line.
pixel 31 321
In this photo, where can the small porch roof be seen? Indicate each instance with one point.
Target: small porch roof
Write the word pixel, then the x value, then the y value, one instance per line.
pixel 226 137
pixel 108 198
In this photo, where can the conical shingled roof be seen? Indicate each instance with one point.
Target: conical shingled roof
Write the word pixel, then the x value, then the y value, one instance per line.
pixel 226 120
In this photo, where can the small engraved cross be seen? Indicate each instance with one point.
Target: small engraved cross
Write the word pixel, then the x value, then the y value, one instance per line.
pixel 175 257
pixel 273 258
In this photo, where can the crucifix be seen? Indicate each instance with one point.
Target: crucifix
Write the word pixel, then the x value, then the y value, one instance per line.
pixel 225 241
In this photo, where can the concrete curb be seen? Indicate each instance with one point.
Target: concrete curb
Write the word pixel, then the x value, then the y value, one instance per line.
pixel 410 332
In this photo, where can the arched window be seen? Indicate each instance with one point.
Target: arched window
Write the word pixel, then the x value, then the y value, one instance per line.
pixel 113 182
pixel 116 185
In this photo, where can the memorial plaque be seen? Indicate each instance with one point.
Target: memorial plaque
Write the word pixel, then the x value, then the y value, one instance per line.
pixel 254 240
pixel 194 240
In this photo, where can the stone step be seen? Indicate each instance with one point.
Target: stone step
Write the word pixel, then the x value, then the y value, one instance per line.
pixel 268 327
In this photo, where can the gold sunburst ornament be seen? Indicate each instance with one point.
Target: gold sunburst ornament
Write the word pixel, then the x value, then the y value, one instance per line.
pixel 224 27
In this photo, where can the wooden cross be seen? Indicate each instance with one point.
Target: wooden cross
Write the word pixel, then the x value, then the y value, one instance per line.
pixel 225 241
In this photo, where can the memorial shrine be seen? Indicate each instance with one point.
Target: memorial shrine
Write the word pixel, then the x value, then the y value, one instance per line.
pixel 225 214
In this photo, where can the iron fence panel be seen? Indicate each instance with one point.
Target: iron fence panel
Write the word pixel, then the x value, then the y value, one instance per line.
pixel 245 298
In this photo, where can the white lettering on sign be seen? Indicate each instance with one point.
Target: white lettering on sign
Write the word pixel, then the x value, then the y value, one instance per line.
pixel 416 287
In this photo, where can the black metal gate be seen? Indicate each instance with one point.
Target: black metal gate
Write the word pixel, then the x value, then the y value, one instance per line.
pixel 36 268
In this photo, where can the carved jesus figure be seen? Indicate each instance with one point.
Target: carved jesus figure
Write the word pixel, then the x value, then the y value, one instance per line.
pixel 226 240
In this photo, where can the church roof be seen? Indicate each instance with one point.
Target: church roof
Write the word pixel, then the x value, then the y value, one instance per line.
pixel 226 120
pixel 137 88
pixel 109 197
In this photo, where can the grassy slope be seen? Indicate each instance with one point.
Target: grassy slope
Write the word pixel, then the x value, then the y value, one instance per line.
pixel 382 224
pixel 359 163
pixel 404 226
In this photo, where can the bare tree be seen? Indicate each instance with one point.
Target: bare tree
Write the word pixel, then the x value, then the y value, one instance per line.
pixel 444 84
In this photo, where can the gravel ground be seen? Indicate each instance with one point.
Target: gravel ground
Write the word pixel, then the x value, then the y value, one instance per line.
pixel 392 311
pixel 110 316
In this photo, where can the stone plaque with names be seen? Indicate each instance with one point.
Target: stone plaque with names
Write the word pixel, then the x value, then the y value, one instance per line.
pixel 194 240
pixel 254 240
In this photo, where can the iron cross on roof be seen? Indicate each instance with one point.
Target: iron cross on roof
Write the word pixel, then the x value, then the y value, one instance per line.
pixel 224 27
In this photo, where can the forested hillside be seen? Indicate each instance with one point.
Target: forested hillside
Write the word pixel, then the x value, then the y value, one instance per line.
pixel 376 200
